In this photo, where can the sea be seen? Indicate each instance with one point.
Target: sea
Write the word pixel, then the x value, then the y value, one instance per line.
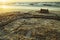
pixel 32 5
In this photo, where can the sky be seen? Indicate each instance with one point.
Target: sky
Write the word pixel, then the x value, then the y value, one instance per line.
pixel 29 1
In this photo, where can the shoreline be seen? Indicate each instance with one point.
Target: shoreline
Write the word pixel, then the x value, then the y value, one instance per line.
pixel 24 10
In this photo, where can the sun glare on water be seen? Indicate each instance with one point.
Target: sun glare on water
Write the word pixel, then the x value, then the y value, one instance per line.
pixel 3 2
pixel 4 6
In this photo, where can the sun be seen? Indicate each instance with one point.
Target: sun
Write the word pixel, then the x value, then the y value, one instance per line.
pixel 3 1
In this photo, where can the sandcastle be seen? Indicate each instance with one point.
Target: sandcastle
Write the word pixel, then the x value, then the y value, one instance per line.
pixel 43 11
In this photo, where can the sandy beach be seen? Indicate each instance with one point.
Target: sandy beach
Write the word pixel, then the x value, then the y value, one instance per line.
pixel 28 24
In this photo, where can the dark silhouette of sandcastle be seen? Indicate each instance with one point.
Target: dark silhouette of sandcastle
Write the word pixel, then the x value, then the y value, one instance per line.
pixel 44 11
